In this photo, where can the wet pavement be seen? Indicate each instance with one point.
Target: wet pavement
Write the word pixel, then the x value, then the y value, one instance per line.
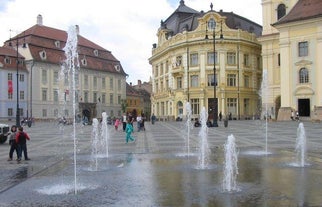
pixel 156 171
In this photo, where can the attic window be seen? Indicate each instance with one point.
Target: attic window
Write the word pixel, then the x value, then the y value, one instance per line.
pixel 96 52
pixel 7 60
pixel 57 43
pixel 117 68
pixel 43 55
pixel 84 61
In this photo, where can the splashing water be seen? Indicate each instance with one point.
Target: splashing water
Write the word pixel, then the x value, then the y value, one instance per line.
pixel 264 95
pixel 95 141
pixel 105 132
pixel 300 147
pixel 188 126
pixel 230 165
pixel 203 158
pixel 71 70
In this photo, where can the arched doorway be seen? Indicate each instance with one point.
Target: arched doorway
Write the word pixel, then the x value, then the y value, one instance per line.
pixel 86 115
pixel 180 109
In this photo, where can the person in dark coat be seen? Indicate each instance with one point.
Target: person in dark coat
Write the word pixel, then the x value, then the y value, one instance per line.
pixel 12 142
pixel 21 140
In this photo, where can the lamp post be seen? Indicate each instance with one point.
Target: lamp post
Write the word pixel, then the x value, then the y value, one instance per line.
pixel 17 67
pixel 212 25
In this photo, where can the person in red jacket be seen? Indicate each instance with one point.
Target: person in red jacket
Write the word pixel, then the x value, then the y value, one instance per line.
pixel 21 141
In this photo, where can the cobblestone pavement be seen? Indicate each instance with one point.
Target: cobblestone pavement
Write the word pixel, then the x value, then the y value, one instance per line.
pixel 50 143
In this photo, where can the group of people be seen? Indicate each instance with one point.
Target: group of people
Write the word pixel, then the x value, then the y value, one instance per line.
pixel 18 142
pixel 295 116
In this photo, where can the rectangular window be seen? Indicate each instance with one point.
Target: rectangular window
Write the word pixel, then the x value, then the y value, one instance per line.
pixel 111 84
pixel 56 95
pixel 119 99
pixel 95 82
pixel 44 76
pixel 231 79
pixel 44 94
pixel 303 49
pixel 44 113
pixel 194 59
pixel 56 77
pixel 86 80
pixel 9 76
pixel 10 95
pixel 195 106
pixel 103 98
pixel 279 59
pixel 21 77
pixel 194 81
pixel 231 58
pixel 10 111
pixel 111 98
pixel 246 60
pixel 246 106
pixel 119 85
pixel 66 79
pixel 22 95
pixel 179 82
pixel 246 81
pixel 103 83
pixel 21 111
pixel 85 96
pixel 211 80
pixel 94 97
pixel 210 58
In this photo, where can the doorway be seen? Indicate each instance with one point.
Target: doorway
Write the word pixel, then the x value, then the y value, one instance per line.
pixel 304 107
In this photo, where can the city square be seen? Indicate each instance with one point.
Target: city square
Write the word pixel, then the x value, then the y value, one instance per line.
pixel 157 171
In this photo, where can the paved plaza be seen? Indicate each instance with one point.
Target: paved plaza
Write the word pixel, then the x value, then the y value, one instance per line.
pixel 50 145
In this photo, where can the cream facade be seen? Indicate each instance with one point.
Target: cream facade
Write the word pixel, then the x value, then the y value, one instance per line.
pixel 291 50
pixel 183 67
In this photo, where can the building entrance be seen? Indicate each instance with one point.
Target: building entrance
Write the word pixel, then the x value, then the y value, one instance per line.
pixel 304 107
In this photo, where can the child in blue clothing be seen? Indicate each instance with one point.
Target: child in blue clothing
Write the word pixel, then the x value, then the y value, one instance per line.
pixel 128 131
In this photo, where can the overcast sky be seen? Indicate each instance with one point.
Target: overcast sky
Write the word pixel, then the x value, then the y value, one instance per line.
pixel 127 28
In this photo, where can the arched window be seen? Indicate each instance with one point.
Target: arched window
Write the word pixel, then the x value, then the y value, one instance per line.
pixel 304 75
pixel 281 11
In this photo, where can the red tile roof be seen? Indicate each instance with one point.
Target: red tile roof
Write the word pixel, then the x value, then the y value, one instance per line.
pixel 303 9
pixel 12 54
pixel 42 38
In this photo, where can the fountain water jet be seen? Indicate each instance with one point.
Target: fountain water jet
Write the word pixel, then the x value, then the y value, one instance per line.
pixel 203 141
pixel 95 140
pixel 188 126
pixel 301 146
pixel 72 64
pixel 105 132
pixel 230 165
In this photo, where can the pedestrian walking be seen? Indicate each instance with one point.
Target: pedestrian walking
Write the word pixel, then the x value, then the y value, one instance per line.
pixel 12 142
pixel 116 124
pixel 138 122
pixel 124 122
pixel 129 130
pixel 21 140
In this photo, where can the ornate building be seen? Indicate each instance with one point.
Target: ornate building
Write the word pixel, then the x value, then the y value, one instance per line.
pixel 192 46
pixel 101 80
pixel 291 52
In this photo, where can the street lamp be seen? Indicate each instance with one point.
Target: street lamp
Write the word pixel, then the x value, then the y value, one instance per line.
pixel 17 67
pixel 212 26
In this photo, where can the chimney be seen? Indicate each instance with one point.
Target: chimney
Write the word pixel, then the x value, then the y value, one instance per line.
pixel 130 83
pixel 139 83
pixel 39 20
pixel 77 29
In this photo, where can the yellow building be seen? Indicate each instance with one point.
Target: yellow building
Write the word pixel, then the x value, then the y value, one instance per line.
pixel 183 65
pixel 291 52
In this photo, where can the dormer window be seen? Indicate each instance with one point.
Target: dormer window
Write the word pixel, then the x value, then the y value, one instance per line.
pixel 57 43
pixel 96 53
pixel 117 68
pixel 43 55
pixel 281 11
pixel 84 61
pixel 7 60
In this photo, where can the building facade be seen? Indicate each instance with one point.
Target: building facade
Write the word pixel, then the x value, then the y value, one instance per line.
pixel 291 48
pixel 192 47
pixel 100 79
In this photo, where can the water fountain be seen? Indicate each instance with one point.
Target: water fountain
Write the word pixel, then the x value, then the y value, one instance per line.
pixel 104 133
pixel 300 147
pixel 95 142
pixel 188 127
pixel 71 68
pixel 203 141
pixel 230 165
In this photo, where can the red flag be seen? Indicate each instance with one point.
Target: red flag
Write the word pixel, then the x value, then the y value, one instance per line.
pixel 10 88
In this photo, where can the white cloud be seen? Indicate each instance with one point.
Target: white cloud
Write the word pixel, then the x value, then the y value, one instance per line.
pixel 125 27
